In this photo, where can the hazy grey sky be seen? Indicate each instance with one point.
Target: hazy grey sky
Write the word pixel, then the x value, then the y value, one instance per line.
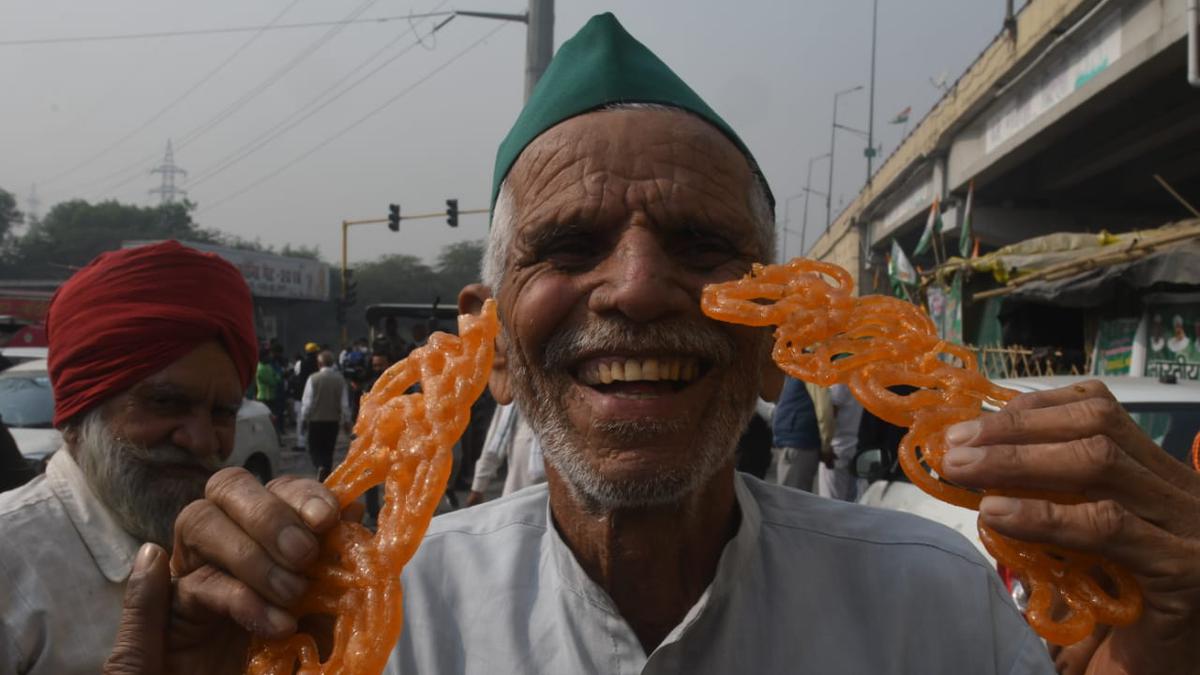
pixel 770 68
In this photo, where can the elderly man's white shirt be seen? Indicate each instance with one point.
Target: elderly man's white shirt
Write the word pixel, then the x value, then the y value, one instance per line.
pixel 63 561
pixel 808 585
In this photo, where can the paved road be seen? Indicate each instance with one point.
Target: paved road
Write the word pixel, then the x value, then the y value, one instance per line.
pixel 297 463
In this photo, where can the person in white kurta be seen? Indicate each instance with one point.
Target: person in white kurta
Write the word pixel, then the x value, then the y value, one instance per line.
pixel 494 589
pixel 63 562
pixel 509 441
pixel 838 482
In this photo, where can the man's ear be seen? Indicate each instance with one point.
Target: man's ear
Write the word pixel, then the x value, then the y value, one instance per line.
pixel 470 301
pixel 771 379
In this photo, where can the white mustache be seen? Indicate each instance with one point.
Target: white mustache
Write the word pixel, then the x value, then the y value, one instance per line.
pixel 172 455
pixel 670 336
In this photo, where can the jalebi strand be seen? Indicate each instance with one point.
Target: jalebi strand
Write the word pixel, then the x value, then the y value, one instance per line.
pixel 826 336
pixel 404 441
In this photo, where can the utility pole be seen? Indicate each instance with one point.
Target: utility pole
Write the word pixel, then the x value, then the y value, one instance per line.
pixel 539 37
pixel 539 42
pixel 167 190
pixel 870 151
pixel 832 140
pixel 808 191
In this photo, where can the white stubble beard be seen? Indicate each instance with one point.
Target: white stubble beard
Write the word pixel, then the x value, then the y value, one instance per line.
pixel 541 393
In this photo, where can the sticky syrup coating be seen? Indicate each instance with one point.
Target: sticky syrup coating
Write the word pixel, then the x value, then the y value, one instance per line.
pixel 826 336
pixel 404 441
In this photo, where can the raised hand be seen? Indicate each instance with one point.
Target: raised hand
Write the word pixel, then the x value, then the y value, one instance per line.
pixel 1142 509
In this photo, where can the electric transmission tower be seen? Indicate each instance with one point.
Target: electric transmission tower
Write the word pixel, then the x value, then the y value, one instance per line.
pixel 167 192
pixel 32 205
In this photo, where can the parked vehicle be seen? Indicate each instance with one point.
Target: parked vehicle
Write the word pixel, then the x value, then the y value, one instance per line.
pixel 27 408
pixel 15 355
pixel 1169 413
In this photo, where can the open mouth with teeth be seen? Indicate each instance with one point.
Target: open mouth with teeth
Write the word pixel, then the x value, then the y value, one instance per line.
pixel 640 376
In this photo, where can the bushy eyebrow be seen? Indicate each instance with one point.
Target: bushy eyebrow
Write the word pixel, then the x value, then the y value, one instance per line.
pixel 170 390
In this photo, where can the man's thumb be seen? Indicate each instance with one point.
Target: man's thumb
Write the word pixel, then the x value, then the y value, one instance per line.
pixel 139 646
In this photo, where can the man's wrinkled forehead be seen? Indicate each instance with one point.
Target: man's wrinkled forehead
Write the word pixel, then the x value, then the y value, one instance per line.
pixel 604 154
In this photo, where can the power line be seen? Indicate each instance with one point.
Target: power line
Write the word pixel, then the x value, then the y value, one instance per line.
pixel 248 96
pixel 179 99
pixel 213 31
pixel 401 94
pixel 308 110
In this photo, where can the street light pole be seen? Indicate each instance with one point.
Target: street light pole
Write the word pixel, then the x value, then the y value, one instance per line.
pixel 832 141
pixel 787 219
pixel 871 105
pixel 539 37
pixel 807 191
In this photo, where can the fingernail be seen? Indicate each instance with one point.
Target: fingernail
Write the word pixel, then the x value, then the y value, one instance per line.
pixel 280 620
pixel 962 456
pixel 998 507
pixel 296 544
pixel 962 433
pixel 289 587
pixel 146 556
pixel 316 511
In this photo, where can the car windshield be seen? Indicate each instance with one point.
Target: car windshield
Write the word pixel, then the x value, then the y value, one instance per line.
pixel 1171 425
pixel 26 401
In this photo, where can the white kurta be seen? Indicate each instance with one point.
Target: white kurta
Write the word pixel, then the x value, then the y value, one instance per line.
pixel 808 585
pixel 63 565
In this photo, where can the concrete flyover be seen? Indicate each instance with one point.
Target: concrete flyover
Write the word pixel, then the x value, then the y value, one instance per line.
pixel 1062 124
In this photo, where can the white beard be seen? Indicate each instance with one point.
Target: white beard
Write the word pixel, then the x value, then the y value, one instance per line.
pixel 128 480
pixel 539 393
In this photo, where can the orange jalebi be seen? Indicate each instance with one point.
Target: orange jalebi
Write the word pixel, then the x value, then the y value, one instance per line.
pixel 403 441
pixel 825 335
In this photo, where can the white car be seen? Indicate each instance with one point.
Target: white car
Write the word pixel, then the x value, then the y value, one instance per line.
pixel 1169 413
pixel 27 409
pixel 15 355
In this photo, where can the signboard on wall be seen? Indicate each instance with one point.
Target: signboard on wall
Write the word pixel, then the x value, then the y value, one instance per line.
pixel 1114 346
pixel 1076 63
pixel 269 275
pixel 1172 341
pixel 945 309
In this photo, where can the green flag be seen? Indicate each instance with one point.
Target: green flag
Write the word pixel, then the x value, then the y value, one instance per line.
pixel 933 227
pixel 964 237
pixel 899 268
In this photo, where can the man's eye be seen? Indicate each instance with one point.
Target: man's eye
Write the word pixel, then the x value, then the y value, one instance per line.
pixel 571 253
pixel 706 252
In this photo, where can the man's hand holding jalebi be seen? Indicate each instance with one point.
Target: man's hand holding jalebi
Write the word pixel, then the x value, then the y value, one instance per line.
pixel 1141 509
pixel 238 560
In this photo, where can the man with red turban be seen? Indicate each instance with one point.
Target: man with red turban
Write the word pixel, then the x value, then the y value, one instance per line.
pixel 151 349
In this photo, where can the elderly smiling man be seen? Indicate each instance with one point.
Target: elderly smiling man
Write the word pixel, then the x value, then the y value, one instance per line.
pixel 150 351
pixel 619 195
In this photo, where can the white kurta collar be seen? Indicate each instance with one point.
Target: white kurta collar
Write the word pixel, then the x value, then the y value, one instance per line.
pixel 111 547
pixel 738 553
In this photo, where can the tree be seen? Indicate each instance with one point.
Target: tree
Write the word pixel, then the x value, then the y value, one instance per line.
pixel 10 217
pixel 74 232
pixel 458 265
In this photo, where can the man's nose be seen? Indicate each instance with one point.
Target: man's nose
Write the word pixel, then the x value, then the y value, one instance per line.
pixel 198 435
pixel 639 279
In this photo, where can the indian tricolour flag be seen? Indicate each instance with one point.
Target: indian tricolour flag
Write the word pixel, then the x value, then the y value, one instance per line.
pixel 902 116
pixel 964 237
pixel 933 227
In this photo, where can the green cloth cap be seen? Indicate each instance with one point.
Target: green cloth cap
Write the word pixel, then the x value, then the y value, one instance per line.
pixel 603 65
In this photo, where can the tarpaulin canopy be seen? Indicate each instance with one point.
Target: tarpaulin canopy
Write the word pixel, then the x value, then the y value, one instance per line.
pixel 1086 270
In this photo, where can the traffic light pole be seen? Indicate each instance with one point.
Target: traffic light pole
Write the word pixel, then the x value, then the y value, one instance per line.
pixel 347 224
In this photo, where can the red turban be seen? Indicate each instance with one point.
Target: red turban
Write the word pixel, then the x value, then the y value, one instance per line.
pixel 130 313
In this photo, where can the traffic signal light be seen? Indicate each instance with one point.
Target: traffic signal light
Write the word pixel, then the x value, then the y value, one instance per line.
pixel 394 217
pixel 351 294
pixel 452 212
